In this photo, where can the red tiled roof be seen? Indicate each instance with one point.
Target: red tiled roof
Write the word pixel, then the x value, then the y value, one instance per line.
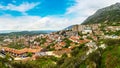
pixel 22 50
pixel 75 37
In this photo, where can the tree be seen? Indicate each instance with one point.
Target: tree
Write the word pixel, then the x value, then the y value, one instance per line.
pixel 67 42
pixel 29 54
pixel 6 61
pixel 94 58
pixel 112 61
pixel 75 52
pixel 64 55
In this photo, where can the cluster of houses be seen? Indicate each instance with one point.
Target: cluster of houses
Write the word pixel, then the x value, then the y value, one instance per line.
pixel 113 28
pixel 90 34
pixel 86 28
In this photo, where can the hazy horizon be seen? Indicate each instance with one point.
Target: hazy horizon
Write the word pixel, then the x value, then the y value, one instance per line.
pixel 9 31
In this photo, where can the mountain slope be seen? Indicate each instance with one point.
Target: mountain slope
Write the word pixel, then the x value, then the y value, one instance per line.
pixel 108 14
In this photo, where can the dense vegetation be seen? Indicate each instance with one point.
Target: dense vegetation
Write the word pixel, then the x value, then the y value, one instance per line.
pixel 110 56
pixel 42 62
pixel 113 33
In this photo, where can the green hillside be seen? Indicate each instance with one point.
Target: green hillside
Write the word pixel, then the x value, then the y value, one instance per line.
pixel 108 14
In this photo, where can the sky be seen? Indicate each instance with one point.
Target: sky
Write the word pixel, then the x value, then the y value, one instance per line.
pixel 47 14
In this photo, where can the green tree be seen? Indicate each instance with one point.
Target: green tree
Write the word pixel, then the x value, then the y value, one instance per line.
pixel 29 54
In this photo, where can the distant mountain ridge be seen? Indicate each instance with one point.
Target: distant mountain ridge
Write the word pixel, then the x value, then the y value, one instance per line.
pixel 108 14
pixel 25 32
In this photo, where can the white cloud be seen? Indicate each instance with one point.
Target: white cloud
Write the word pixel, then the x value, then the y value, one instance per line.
pixel 25 6
pixel 35 23
pixel 17 23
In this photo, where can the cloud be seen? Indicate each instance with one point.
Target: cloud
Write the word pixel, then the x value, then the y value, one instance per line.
pixel 25 6
pixel 35 23
pixel 17 23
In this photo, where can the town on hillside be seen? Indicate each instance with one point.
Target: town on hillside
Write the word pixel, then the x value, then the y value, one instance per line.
pixel 57 43
pixel 59 34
